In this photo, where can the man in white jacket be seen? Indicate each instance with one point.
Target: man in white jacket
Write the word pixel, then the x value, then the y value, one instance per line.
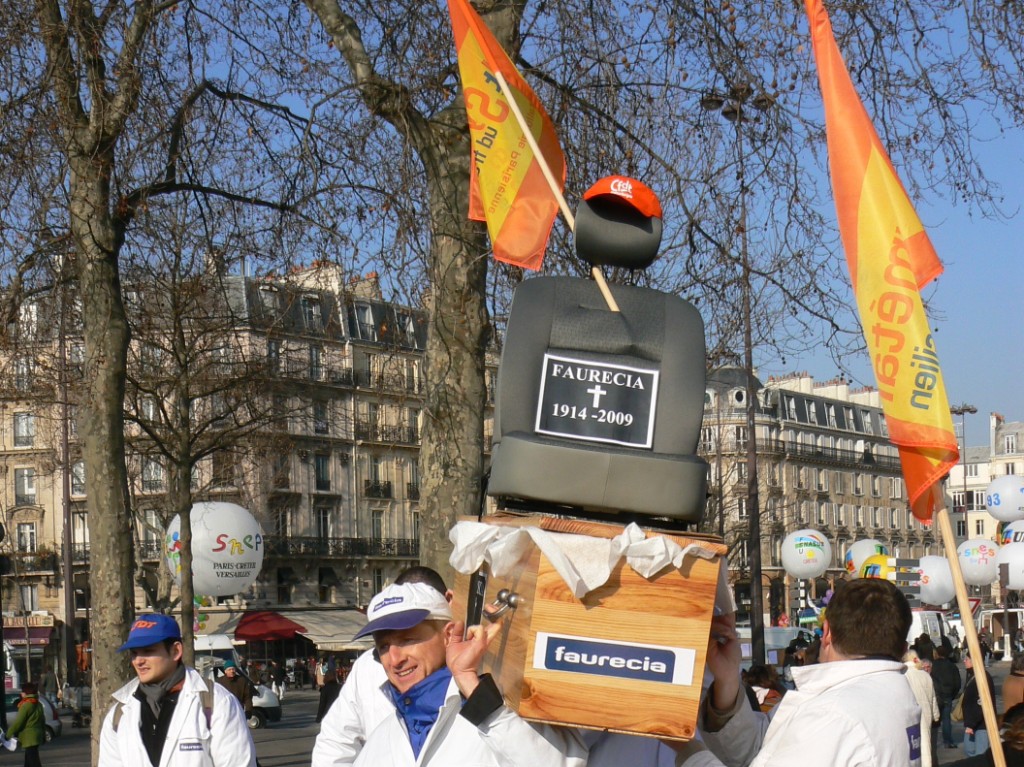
pixel 363 702
pixel 852 709
pixel 169 715
pixel 444 713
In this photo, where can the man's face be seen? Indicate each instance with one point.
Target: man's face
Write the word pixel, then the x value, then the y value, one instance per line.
pixel 230 672
pixel 154 663
pixel 411 655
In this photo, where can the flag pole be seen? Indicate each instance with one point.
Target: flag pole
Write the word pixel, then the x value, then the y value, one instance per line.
pixel 966 618
pixel 552 182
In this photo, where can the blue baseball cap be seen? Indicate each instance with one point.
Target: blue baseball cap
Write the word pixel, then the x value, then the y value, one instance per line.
pixel 150 629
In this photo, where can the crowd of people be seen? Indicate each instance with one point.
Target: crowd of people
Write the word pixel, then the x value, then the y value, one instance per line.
pixel 856 695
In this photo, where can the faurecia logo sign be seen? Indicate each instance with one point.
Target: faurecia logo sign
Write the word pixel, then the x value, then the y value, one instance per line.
pixel 626 660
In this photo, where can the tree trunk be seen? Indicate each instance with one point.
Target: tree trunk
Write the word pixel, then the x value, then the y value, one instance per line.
pixel 451 452
pixel 105 332
pixel 180 499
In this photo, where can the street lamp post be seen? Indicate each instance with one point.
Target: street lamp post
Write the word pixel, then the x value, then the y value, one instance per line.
pixel 732 107
pixel 962 410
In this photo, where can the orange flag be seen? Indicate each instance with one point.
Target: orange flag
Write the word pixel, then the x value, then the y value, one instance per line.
pixel 890 259
pixel 507 186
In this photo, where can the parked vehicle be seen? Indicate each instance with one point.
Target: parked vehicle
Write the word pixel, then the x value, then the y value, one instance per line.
pixel 52 725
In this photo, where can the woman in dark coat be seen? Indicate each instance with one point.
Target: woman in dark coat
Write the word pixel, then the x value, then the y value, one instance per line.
pixel 975 733
pixel 328 694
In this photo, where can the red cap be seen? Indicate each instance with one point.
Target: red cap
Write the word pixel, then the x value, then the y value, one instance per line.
pixel 636 193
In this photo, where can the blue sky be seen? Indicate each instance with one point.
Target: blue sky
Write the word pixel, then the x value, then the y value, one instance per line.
pixel 977 304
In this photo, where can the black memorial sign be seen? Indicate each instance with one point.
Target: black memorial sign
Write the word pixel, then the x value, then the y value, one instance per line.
pixel 597 401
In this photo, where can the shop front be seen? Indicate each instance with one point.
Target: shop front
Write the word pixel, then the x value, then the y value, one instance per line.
pixel 29 639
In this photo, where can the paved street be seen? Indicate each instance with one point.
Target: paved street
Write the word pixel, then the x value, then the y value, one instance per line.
pixel 288 743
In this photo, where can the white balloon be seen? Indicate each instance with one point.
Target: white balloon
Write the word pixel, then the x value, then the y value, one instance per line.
pixel 1012 533
pixel 806 553
pixel 861 550
pixel 227 549
pixel 1004 498
pixel 936 581
pixel 978 561
pixel 1013 557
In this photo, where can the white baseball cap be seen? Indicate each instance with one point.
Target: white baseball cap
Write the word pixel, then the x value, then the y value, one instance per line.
pixel 403 606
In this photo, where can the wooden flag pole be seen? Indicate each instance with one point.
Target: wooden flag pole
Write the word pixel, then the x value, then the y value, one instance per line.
pixel 966 617
pixel 552 182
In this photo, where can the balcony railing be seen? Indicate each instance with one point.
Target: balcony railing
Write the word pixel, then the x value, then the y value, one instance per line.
pixel 24 499
pixel 373 488
pixel 340 376
pixel 828 454
pixel 35 561
pixel 369 431
pixel 302 546
pixel 412 491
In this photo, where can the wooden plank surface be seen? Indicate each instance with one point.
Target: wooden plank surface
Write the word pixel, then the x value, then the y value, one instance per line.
pixel 671 610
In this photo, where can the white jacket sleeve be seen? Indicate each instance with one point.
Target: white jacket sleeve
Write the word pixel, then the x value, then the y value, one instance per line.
pixel 739 740
pixel 231 742
pixel 110 756
pixel 514 742
pixel 518 743
pixel 342 734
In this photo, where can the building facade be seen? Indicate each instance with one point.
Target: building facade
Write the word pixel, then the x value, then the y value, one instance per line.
pixel 824 462
pixel 305 407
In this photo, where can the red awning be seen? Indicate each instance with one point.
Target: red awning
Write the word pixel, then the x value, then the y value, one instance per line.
pixel 266 624
pixel 38 636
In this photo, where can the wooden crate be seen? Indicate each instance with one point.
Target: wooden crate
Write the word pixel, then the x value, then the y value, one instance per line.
pixel 631 622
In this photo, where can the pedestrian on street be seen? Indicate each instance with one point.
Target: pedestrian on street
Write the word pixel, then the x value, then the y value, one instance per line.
pixel 976 734
pixel 238 685
pixel 946 678
pixel 278 679
pixel 921 684
pixel 170 715
pixel 29 726
pixel 1012 733
pixel 328 694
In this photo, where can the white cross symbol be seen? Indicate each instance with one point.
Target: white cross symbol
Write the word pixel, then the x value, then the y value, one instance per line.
pixel 598 392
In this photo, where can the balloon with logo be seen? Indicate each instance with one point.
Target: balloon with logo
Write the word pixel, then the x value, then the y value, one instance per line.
pixel 1012 533
pixel 227 548
pixel 978 561
pixel 861 550
pixel 1004 498
pixel 936 581
pixel 876 566
pixel 1013 557
pixel 806 553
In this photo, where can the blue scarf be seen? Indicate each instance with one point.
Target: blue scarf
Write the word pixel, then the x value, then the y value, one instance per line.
pixel 420 705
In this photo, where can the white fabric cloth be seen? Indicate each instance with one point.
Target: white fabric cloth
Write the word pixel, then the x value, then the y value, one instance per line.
pixel 584 562
pixel 854 713
pixel 360 707
pixel 504 740
pixel 923 687
pixel 226 742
